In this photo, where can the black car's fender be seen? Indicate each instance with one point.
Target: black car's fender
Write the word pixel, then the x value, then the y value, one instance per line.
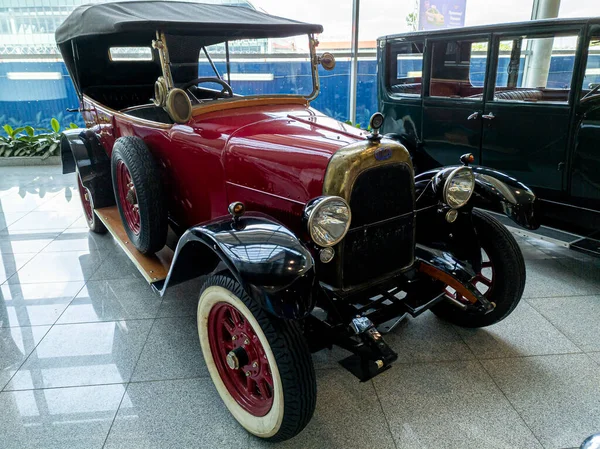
pixel 80 150
pixel 268 260
pixel 494 191
pixel 420 159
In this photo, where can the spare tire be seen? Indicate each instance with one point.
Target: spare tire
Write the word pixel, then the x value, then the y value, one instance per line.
pixel 139 194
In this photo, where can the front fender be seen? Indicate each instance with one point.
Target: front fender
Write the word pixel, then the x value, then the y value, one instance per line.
pixel 495 191
pixel 268 260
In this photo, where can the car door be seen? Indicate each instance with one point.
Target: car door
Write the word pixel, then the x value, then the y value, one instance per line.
pixel 401 88
pixel 585 162
pixel 528 112
pixel 454 101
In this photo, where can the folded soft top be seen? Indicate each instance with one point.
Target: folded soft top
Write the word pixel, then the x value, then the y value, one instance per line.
pixel 216 22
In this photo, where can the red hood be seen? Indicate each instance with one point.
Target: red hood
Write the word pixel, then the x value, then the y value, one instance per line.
pixel 285 152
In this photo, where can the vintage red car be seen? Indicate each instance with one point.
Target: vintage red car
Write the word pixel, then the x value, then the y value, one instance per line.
pixel 310 233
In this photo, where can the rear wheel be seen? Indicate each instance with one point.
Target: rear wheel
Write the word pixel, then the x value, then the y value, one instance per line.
pixel 261 366
pixel 138 192
pixel 501 278
pixel 87 202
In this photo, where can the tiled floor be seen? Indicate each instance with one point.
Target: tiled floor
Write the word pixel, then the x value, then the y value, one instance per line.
pixel 90 357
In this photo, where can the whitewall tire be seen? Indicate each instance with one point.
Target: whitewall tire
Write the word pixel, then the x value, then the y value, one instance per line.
pixel 260 366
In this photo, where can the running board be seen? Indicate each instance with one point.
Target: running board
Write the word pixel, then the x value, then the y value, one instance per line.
pixel 155 267
pixel 589 245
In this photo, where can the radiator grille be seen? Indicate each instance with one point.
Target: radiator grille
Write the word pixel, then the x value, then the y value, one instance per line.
pixel 381 238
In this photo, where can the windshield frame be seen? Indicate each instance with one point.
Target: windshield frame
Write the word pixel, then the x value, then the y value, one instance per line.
pixel 166 67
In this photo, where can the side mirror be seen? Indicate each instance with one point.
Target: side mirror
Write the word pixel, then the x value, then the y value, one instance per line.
pixel 327 61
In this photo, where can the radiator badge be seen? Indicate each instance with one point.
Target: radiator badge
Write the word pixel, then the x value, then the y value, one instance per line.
pixel 383 153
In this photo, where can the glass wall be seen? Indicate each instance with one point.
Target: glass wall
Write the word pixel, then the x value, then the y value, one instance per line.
pixel 35 86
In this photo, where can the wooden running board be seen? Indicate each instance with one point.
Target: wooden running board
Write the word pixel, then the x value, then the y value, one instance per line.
pixel 153 267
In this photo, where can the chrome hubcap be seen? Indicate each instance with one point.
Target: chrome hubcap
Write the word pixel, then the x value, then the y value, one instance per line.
pixel 232 361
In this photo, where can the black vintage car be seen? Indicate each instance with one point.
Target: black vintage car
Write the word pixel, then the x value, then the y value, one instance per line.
pixel 524 98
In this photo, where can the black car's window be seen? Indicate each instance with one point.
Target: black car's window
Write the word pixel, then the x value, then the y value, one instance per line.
pixel 592 69
pixel 458 69
pixel 535 69
pixel 405 68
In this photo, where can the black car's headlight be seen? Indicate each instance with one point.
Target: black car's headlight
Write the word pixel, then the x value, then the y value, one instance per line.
pixel 459 187
pixel 328 219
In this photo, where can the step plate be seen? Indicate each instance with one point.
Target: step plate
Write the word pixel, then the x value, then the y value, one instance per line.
pixel 154 267
pixel 589 246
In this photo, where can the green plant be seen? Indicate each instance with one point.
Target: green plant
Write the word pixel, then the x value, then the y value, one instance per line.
pixel 357 125
pixel 23 141
pixel 349 122
pixel 412 21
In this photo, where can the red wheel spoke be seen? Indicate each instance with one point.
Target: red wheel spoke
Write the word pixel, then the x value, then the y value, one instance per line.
pixel 235 316
pixel 251 385
pixel 478 278
pixel 263 388
pixel 229 326
pixel 128 198
pixel 485 281
pixel 269 380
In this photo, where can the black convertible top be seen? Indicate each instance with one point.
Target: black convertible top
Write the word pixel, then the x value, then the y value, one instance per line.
pixel 219 22
pixel 86 36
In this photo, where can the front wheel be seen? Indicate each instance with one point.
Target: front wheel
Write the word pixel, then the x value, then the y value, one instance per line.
pixel 261 366
pixel 501 278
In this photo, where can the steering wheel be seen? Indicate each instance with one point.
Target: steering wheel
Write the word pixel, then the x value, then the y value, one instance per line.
pixel 591 92
pixel 226 92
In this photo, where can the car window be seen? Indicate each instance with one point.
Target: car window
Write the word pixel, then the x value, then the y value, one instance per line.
pixel 405 68
pixel 592 68
pixel 535 69
pixel 458 69
pixel 130 54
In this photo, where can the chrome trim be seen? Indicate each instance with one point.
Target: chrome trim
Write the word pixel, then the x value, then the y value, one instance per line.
pixel 314 206
pixel 160 44
pixel 326 255
pixel 349 162
pixel 452 174
pixel 314 62
pixel 344 168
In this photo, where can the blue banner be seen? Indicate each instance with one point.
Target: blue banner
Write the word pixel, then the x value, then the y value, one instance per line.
pixel 436 14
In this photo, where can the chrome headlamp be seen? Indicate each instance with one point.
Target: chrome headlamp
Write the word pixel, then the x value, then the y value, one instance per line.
pixel 328 219
pixel 459 187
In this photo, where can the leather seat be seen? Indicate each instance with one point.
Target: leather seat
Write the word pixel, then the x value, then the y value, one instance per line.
pixel 408 88
pixel 120 97
pixel 519 95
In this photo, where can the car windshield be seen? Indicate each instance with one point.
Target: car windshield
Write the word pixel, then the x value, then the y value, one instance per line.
pixel 261 66
pixel 591 80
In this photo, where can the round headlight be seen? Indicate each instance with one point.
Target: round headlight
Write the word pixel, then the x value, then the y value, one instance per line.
pixel 459 187
pixel 328 220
